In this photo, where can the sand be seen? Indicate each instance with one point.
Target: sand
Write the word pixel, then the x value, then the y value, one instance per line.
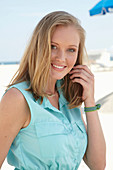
pixel 103 90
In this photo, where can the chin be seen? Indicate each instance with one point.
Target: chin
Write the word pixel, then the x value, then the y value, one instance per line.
pixel 58 76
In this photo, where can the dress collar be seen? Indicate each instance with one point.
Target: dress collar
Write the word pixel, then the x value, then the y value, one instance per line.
pixel 62 101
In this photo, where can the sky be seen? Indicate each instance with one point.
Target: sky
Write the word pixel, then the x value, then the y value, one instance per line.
pixel 18 19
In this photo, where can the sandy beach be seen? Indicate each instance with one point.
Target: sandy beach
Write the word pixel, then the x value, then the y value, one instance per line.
pixel 103 94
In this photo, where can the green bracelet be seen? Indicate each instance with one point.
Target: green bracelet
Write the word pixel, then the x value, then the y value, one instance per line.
pixel 91 109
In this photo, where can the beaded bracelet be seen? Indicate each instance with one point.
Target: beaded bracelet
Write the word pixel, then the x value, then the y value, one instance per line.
pixel 91 109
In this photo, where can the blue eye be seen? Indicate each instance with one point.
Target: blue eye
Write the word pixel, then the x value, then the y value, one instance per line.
pixel 71 50
pixel 53 47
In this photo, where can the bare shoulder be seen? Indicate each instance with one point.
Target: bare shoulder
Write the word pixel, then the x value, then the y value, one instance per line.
pixel 13 93
pixel 14 106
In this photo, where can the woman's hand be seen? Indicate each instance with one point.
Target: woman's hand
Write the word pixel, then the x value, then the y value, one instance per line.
pixel 81 74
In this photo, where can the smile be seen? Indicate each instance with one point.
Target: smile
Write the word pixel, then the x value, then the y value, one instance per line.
pixel 60 67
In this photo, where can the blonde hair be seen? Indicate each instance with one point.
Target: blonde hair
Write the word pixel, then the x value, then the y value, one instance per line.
pixel 36 62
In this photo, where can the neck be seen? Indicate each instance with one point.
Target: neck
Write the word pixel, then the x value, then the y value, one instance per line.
pixel 50 88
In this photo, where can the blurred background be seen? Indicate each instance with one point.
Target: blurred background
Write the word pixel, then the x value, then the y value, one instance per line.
pixel 18 19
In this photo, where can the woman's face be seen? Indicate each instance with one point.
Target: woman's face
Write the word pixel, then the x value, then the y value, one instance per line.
pixel 64 50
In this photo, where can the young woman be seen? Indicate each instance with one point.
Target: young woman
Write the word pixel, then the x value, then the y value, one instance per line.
pixel 41 124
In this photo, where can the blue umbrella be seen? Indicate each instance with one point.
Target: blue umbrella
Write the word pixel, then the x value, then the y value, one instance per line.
pixel 102 7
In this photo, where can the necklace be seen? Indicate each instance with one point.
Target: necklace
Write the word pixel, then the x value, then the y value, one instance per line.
pixel 54 94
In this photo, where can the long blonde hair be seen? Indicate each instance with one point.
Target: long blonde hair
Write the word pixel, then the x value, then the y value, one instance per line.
pixel 36 62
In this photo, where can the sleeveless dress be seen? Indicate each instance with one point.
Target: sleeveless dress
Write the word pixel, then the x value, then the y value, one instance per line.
pixel 53 140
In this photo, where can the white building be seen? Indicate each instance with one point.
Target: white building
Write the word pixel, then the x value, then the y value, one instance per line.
pixel 101 58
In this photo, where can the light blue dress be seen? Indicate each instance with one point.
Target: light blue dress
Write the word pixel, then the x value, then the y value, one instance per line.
pixel 54 139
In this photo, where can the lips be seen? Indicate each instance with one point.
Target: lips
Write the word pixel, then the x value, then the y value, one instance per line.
pixel 58 67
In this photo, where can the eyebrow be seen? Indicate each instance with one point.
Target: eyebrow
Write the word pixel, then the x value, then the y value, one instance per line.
pixel 69 45
pixel 74 46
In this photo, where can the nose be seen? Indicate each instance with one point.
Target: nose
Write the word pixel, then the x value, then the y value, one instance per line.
pixel 61 56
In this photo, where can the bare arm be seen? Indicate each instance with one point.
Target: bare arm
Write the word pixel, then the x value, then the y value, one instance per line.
pixel 13 116
pixel 95 156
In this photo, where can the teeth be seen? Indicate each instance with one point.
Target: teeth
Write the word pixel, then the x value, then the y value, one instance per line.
pixel 58 66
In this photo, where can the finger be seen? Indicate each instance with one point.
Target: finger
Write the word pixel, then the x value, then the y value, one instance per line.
pixel 80 81
pixel 81 76
pixel 80 73
pixel 84 67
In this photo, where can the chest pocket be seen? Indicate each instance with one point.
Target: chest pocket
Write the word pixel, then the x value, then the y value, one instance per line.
pixel 52 139
pixel 45 129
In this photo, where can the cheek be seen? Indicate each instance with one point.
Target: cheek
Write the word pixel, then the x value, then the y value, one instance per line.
pixel 53 53
pixel 72 61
